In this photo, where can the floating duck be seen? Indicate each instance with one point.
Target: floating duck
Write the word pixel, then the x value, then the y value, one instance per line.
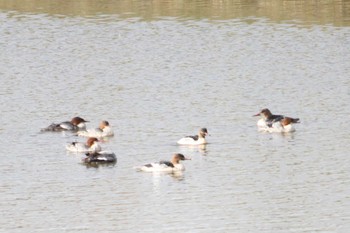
pixel 91 145
pixel 275 123
pixel 165 166
pixel 77 123
pixel 104 130
pixel 100 157
pixel 195 140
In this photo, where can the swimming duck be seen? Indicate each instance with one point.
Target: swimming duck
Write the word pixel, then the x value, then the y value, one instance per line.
pixel 77 123
pixel 91 145
pixel 165 166
pixel 195 140
pixel 275 123
pixel 100 157
pixel 104 130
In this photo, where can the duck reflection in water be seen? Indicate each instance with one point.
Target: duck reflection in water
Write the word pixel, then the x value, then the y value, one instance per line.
pixel 160 180
pixel 98 165
pixel 202 149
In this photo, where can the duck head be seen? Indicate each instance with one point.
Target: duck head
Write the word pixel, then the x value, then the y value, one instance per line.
pixel 177 157
pixel 78 121
pixel 203 132
pixel 264 113
pixel 91 141
pixel 103 124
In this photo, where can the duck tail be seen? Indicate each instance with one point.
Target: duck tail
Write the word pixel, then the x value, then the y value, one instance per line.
pixel 288 120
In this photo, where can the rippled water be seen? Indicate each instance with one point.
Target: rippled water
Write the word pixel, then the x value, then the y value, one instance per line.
pixel 156 81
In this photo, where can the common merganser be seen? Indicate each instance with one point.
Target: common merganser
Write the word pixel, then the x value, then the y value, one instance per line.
pixel 104 130
pixel 77 123
pixel 91 145
pixel 165 166
pixel 195 140
pixel 275 123
pixel 100 157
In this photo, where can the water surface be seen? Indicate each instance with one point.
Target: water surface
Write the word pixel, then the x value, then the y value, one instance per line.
pixel 158 71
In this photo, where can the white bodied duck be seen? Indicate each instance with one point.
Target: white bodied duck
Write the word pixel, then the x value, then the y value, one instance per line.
pixel 104 130
pixel 91 145
pixel 165 166
pixel 77 123
pixel 275 123
pixel 195 140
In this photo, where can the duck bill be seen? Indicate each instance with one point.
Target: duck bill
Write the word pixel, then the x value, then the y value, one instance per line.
pixel 187 158
pixel 258 114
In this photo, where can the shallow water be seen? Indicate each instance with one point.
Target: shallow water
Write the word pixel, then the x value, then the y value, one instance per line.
pixel 158 75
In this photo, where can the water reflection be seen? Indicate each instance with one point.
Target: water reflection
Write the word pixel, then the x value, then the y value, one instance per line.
pixel 98 165
pixel 158 176
pixel 304 11
pixel 288 135
pixel 202 149
pixel 177 175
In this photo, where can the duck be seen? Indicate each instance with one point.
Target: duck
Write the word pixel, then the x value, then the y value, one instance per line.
pixel 275 123
pixel 165 166
pixel 100 157
pixel 75 124
pixel 103 130
pixel 198 139
pixel 91 145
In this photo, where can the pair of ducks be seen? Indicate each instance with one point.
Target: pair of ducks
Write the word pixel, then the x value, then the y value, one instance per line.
pixel 77 124
pixel 93 151
pixel 92 148
pixel 174 165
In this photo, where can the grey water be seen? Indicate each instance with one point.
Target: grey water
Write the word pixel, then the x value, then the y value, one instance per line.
pixel 158 71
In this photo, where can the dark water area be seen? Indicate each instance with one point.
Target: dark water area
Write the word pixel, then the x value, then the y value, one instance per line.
pixel 298 11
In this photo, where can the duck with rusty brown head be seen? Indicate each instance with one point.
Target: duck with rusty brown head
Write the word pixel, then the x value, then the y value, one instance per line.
pixel 75 124
pixel 275 123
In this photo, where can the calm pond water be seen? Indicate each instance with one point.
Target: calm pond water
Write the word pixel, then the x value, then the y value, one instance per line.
pixel 159 70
